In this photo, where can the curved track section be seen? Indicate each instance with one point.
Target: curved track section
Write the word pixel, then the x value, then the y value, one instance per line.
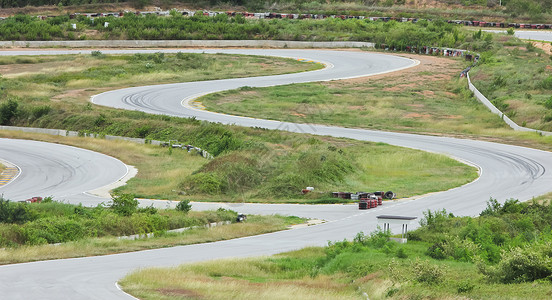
pixel 64 172
pixel 506 172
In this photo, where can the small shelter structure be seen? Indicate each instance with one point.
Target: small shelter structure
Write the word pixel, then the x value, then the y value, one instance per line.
pixel 387 220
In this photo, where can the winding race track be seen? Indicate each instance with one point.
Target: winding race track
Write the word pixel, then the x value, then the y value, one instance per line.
pixel 506 172
pixel 64 172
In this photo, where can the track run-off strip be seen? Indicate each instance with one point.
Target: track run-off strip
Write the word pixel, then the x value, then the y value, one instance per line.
pixel 9 173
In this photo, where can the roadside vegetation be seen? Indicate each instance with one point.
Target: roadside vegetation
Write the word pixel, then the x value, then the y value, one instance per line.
pixel 490 10
pixel 503 254
pixel 517 77
pixel 52 230
pixel 199 27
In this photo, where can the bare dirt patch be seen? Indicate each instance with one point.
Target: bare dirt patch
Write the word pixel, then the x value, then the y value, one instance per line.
pixel 427 93
pixel 417 116
pixel 544 46
pixel 434 64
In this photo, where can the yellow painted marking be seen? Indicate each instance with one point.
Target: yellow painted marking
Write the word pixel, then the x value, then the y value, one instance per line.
pixel 8 175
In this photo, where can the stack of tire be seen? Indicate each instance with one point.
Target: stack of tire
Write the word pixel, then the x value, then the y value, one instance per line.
pixel 373 200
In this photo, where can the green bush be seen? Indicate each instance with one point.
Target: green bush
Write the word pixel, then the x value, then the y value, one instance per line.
pixel 436 220
pixel 401 253
pixel 521 265
pixel 426 272
pixel 8 110
pixel 124 205
pixel 548 103
pixel 97 53
pixel 205 183
pixel 465 286
pixel 53 230
pixel 13 212
pixel 184 206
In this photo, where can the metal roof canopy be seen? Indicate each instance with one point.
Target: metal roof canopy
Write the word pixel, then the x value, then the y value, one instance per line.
pixel 386 220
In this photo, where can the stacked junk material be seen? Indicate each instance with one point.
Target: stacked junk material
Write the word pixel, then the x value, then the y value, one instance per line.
pixel 366 200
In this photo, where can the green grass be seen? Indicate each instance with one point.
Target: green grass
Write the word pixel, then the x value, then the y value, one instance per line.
pixel 425 99
pixel 517 79
pixel 311 274
pixel 381 268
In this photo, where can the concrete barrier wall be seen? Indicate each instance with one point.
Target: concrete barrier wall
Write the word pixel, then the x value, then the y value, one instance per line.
pixel 62 132
pixel 496 111
pixel 182 43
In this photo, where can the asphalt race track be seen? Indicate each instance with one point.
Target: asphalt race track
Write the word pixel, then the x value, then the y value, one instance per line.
pixel 506 172
pixel 64 172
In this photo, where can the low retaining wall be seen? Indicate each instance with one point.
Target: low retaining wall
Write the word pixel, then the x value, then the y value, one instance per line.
pixel 62 132
pixel 149 235
pixel 497 111
pixel 182 43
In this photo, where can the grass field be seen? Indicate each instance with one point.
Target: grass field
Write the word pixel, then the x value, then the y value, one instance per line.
pixel 427 98
pixel 447 258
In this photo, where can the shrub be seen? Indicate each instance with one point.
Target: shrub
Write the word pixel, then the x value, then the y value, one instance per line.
pixel 8 110
pixel 425 272
pixel 12 212
pixel 97 53
pixel 548 103
pixel 205 183
pixel 124 205
pixel 184 206
pixel 53 230
pixel 149 210
pixel 436 220
pixel 401 253
pixel 226 214
pixel 521 265
pixel 465 287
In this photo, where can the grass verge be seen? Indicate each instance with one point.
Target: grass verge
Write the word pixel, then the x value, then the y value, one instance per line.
pixel 503 254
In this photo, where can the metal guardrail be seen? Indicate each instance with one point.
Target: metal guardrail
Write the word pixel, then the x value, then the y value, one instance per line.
pixel 498 112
